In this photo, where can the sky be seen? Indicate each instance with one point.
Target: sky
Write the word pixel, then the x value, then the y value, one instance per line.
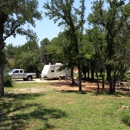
pixel 46 28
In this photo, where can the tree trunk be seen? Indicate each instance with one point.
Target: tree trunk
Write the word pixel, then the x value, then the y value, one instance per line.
pixel 103 81
pixel 98 87
pixel 110 80
pixel 111 86
pixel 114 86
pixel 92 70
pixel 108 73
pixel 92 74
pixel 114 83
pixel 1 57
pixel 72 75
pixel 88 74
pixel 80 78
pixel 1 79
pixel 84 71
pixel 1 66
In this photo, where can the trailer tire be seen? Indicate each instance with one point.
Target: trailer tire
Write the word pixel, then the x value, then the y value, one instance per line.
pixel 63 77
pixel 29 78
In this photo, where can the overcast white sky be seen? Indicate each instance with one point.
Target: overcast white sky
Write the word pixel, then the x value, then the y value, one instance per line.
pixel 46 27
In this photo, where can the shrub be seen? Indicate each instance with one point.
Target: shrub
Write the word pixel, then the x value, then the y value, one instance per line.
pixel 7 81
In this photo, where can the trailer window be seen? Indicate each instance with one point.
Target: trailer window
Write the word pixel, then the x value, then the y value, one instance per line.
pixel 52 70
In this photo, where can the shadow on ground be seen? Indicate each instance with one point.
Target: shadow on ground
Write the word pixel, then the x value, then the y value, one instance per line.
pixel 16 114
pixel 90 87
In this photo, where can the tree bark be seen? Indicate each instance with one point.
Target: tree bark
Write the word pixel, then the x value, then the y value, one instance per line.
pixel 80 77
pixel 109 78
pixel 92 74
pixel 112 84
pixel 98 87
pixel 1 79
pixel 111 88
pixel 1 62
pixel 72 75
pixel 84 70
pixel 103 81
pixel 3 18
pixel 88 74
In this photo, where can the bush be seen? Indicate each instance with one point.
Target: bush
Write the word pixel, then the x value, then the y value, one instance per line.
pixel 7 81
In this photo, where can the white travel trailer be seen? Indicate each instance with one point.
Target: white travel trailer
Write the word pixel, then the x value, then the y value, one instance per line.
pixel 51 71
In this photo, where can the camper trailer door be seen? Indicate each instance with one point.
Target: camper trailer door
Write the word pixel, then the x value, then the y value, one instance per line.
pixel 52 72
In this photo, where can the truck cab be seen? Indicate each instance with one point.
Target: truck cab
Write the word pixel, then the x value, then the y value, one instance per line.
pixel 16 73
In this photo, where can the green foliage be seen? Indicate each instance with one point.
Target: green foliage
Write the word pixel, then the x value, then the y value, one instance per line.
pixel 114 21
pixel 127 76
pixel 7 81
pixel 28 56
pixel 43 56
pixel 73 19
pixel 52 51
pixel 10 52
pixel 18 13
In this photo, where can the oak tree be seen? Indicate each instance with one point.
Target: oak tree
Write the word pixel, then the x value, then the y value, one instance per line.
pixel 66 14
pixel 112 19
pixel 14 14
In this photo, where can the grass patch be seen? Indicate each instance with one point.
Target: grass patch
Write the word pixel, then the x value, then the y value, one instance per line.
pixel 126 119
pixel 47 108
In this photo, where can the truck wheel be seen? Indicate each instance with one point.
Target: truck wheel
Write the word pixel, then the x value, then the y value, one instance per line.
pixel 29 78
pixel 24 79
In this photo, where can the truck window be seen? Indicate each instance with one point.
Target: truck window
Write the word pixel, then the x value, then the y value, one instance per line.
pixel 21 71
pixel 52 70
pixel 16 71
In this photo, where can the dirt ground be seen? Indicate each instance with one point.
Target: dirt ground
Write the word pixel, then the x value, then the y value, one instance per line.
pixel 64 85
pixel 86 87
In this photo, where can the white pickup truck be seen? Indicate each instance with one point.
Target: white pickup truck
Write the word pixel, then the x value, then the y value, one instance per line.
pixel 19 74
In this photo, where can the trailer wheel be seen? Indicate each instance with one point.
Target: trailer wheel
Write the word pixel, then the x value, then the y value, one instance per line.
pixel 29 78
pixel 63 77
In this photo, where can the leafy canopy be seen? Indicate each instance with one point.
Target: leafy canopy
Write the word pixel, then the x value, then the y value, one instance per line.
pixel 16 14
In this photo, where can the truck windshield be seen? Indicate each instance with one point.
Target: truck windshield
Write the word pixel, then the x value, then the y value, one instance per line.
pixel 11 71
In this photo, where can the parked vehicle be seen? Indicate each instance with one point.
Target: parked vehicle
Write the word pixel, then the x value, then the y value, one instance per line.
pixel 52 71
pixel 19 74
